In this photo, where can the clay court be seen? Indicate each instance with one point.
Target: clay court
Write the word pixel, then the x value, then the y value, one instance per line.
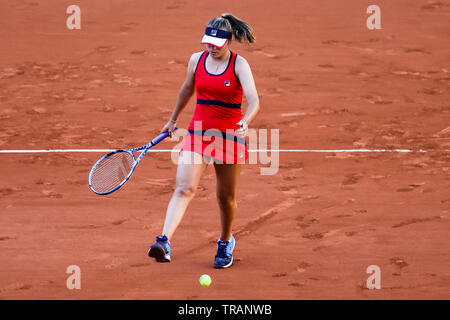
pixel 309 231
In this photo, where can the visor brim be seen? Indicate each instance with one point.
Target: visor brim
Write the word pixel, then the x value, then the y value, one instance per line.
pixel 218 42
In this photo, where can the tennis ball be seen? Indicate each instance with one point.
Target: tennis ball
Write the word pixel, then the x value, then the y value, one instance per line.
pixel 205 280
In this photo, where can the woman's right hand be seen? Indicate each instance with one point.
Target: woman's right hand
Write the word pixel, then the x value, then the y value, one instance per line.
pixel 169 127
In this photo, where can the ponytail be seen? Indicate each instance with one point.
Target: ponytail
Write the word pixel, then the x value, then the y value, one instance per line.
pixel 241 30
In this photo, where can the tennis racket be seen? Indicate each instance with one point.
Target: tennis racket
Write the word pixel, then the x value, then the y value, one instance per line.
pixel 112 170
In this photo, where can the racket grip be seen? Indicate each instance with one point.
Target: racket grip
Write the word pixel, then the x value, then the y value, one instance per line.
pixel 162 136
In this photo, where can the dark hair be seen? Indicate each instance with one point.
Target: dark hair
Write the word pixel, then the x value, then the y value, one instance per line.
pixel 241 30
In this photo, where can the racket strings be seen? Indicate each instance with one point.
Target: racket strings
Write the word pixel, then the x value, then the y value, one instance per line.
pixel 111 171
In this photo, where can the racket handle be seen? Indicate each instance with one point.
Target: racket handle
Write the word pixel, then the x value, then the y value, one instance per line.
pixel 162 136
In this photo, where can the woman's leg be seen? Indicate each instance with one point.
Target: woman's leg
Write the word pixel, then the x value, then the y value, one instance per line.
pixel 227 178
pixel 189 171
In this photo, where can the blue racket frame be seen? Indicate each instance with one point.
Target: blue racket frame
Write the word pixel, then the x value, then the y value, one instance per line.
pixel 145 148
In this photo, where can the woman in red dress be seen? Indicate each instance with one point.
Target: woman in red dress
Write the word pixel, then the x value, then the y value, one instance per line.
pixel 217 131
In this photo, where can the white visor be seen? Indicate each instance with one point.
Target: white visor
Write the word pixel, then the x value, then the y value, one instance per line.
pixel 218 42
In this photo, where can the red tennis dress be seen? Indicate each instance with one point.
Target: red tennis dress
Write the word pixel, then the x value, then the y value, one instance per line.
pixel 212 130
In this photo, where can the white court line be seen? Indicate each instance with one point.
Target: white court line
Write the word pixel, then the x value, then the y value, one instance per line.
pixel 257 150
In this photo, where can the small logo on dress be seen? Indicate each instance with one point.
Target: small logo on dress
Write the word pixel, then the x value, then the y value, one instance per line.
pixel 214 32
pixel 227 83
pixel 241 154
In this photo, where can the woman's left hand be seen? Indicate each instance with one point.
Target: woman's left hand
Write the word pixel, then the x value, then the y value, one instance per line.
pixel 243 130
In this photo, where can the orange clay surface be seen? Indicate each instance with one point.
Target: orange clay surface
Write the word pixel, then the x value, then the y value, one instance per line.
pixel 308 232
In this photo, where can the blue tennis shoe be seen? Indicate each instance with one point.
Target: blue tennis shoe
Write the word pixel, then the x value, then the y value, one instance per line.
pixel 224 256
pixel 160 250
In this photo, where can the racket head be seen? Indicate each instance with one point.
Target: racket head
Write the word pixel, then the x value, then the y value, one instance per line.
pixel 111 171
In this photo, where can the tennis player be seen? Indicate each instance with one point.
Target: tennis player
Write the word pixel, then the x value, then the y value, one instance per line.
pixel 216 133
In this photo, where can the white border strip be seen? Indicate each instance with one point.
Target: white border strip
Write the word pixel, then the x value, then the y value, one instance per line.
pixel 258 150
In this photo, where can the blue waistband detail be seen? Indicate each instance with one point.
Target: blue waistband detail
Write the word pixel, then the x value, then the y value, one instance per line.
pixel 219 103
pixel 218 133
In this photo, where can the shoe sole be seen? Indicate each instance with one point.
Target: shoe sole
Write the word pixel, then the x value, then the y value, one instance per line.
pixel 158 253
pixel 225 266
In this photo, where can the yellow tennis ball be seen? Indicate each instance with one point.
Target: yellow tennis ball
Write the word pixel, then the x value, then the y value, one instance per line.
pixel 205 280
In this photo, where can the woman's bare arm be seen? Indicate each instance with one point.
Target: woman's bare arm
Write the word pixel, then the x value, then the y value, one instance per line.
pixel 186 91
pixel 244 73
